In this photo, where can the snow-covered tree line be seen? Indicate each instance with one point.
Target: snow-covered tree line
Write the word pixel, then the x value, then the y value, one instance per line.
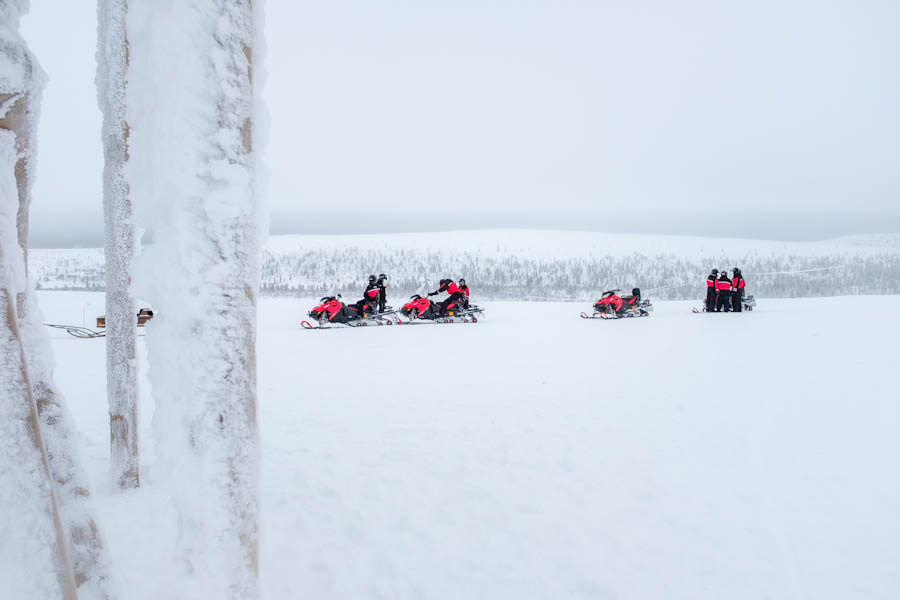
pixel 508 276
pixel 313 271
pixel 178 87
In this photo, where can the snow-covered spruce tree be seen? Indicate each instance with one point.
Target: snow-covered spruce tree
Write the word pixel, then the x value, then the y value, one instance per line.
pixel 121 246
pixel 79 551
pixel 192 172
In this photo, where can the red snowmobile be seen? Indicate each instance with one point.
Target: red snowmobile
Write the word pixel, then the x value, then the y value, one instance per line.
pixel 333 311
pixel 421 308
pixel 613 306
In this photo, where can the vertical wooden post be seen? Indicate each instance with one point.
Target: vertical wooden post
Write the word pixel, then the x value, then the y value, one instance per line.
pixel 121 246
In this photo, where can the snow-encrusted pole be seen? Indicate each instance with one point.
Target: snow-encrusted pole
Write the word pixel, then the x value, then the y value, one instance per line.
pixel 35 558
pixel 193 178
pixel 121 246
pixel 81 559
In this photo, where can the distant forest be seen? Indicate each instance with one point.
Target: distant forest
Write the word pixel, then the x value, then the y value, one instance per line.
pixel 320 271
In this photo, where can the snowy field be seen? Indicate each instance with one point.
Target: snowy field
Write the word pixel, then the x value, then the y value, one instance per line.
pixel 537 455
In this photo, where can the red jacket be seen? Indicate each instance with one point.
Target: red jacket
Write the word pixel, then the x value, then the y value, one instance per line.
pixel 723 284
pixel 450 288
pixel 738 284
pixel 465 289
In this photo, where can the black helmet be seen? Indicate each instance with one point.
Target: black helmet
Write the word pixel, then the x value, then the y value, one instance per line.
pixel 462 281
pixel 382 277
pixel 715 271
pixel 371 279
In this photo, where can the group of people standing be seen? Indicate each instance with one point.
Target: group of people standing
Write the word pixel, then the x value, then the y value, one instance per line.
pixel 723 293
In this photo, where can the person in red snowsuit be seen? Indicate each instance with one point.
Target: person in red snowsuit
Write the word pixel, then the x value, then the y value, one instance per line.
pixel 455 294
pixel 737 290
pixel 711 290
pixel 723 287
pixel 465 290
pixel 370 296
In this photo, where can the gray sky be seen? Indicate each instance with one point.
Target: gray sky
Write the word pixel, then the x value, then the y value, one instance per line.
pixel 765 118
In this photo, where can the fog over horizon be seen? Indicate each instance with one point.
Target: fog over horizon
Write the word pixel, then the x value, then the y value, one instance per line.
pixel 765 120
pixel 87 231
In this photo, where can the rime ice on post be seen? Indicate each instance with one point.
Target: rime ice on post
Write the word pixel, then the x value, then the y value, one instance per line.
pixel 121 246
pixel 191 170
pixel 47 519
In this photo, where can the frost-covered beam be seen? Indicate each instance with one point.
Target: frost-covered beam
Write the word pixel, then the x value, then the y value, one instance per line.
pixel 121 245
pixel 78 550
pixel 34 559
pixel 192 171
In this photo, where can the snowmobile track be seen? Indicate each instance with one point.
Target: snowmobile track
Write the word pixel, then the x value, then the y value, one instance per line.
pixel 606 317
pixel 351 325
pixel 442 321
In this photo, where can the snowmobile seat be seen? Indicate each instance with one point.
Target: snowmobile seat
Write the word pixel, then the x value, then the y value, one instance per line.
pixel 634 298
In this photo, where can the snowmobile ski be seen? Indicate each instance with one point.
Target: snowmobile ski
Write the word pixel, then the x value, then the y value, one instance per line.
pixel 469 318
pixel 349 324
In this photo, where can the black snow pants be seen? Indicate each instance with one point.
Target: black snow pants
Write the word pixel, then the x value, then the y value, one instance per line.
pixel 710 299
pixel 724 302
pixel 361 306
pixel 737 300
pixel 448 301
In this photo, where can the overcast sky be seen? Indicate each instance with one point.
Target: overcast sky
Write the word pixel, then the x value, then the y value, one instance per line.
pixel 765 118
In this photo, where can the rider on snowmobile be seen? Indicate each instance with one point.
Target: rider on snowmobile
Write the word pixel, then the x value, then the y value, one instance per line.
pixel 455 295
pixel 382 291
pixel 465 290
pixel 370 295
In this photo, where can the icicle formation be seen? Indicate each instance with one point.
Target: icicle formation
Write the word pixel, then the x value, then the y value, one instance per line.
pixel 191 171
pixel 121 246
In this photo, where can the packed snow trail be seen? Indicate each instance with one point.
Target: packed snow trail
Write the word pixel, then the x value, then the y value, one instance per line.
pixel 674 456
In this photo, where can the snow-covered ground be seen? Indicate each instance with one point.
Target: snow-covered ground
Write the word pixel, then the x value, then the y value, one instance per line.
pixel 538 455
